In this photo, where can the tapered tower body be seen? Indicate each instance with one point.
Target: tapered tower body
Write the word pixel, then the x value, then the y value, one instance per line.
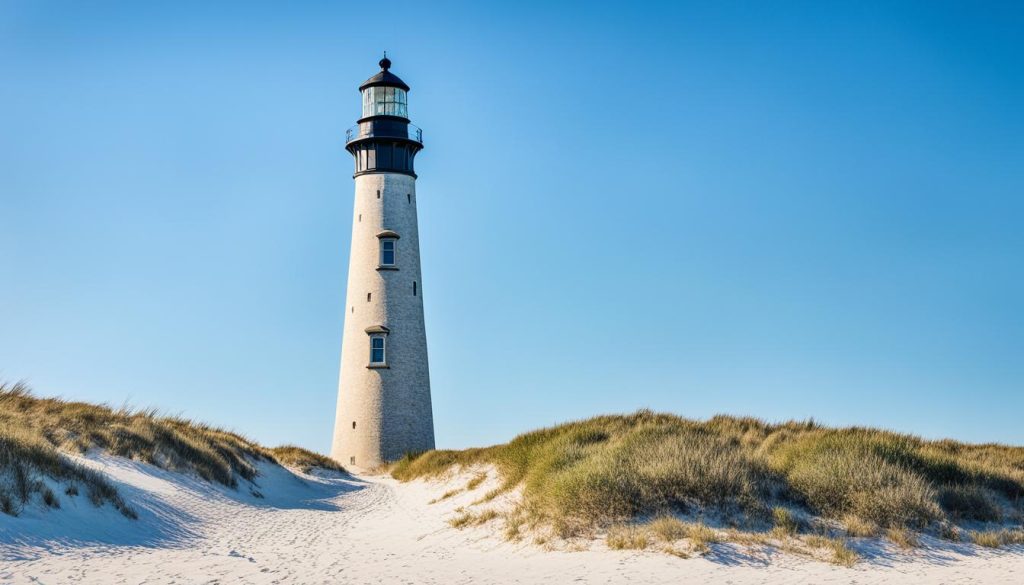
pixel 384 406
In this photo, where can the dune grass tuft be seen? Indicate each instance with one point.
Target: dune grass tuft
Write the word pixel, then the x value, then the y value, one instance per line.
pixel 303 459
pixel 466 518
pixel 840 553
pixel 903 538
pixel 856 526
pixel 701 536
pixel 989 539
pixel 669 528
pixel 474 483
pixel 997 538
pixel 785 522
pixel 627 538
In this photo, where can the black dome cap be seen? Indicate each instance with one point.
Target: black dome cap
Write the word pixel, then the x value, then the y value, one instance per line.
pixel 384 78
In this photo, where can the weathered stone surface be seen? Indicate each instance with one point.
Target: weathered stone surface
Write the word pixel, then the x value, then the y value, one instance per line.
pixel 389 406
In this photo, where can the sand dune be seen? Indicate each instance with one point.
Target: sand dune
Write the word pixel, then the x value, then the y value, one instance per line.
pixel 343 529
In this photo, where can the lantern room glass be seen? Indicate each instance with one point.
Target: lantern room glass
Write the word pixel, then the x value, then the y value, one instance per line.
pixel 385 101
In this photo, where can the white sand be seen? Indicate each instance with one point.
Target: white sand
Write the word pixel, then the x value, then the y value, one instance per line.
pixel 374 530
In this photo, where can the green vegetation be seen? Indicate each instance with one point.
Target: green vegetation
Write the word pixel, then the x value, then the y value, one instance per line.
pixel 36 432
pixel 617 471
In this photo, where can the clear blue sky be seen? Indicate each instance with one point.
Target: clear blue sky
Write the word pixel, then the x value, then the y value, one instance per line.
pixel 784 210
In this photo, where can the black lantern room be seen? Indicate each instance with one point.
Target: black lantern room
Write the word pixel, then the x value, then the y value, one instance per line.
pixel 384 141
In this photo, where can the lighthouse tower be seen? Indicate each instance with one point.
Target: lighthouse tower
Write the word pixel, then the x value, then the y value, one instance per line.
pixel 384 407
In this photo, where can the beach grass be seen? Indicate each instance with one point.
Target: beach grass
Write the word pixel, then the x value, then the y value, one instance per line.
pixel 619 470
pixel 36 434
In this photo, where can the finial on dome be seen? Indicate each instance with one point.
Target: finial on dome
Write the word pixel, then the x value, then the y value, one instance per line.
pixel 385 63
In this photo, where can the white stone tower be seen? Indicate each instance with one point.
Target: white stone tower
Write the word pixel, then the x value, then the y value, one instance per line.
pixel 384 407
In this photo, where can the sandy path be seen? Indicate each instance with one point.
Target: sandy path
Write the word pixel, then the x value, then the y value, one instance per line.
pixel 372 530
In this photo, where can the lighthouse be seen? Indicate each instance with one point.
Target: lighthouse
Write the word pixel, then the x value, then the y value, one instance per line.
pixel 384 409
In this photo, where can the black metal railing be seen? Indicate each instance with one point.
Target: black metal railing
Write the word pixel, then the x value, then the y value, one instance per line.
pixel 361 131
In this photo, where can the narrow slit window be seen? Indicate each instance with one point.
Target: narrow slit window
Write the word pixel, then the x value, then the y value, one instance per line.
pixel 368 296
pixel 377 349
pixel 387 252
pixel 409 197
pixel 378 193
pixel 360 217
pixel 414 288
pixel 353 424
pixel 351 460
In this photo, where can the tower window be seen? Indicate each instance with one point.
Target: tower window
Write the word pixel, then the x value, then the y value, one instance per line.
pixel 352 460
pixel 387 252
pixel 378 193
pixel 360 217
pixel 414 288
pixel 378 340
pixel 409 197
pixel 353 424
pixel 377 349
pixel 368 296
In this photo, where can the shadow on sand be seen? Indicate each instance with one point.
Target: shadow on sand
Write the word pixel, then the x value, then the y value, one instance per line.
pixel 172 508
